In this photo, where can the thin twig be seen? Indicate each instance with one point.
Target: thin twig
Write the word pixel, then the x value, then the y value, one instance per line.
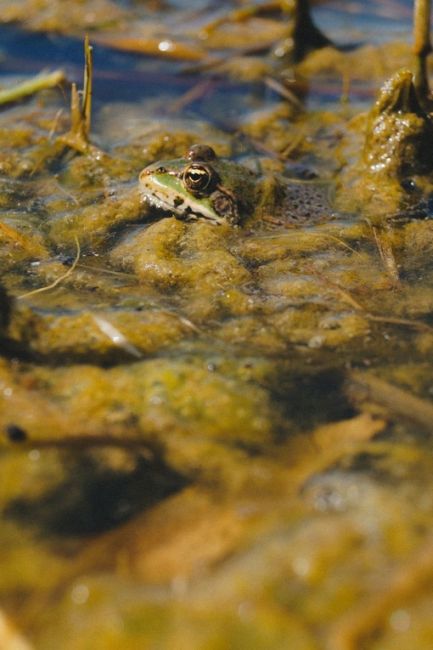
pixel 87 86
pixel 363 386
pixel 193 94
pixel 60 279
pixel 285 92
pixel 55 123
pixel 348 298
pixel 341 242
pixel 386 255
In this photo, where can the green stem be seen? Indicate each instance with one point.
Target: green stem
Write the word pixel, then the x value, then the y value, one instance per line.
pixel 31 86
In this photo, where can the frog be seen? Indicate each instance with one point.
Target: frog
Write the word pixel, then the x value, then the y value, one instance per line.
pixel 204 186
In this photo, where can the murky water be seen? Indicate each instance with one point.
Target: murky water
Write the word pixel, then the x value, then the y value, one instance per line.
pixel 212 436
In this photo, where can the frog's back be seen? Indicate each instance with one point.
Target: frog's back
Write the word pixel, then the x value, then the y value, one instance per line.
pixel 304 203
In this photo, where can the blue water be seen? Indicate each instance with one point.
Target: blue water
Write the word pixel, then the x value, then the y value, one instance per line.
pixel 125 77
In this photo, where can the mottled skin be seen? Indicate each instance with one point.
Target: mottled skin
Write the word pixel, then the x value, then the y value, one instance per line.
pixel 203 186
pixel 397 165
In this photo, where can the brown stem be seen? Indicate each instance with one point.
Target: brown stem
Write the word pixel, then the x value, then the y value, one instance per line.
pixel 398 402
pixel 421 45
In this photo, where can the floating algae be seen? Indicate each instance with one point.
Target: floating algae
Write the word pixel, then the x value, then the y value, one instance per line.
pixel 215 436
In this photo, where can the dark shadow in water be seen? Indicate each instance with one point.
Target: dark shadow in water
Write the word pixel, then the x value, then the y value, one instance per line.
pixel 94 498
pixel 312 400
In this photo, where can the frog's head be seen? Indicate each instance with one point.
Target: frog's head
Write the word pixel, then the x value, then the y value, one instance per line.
pixel 199 186
pixel 397 164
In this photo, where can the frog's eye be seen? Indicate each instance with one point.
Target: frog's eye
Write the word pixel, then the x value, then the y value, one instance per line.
pixel 198 178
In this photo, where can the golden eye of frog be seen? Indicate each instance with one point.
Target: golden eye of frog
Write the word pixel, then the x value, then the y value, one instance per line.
pixel 203 186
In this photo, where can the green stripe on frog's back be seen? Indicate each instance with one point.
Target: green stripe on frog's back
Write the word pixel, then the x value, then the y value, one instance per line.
pixel 200 186
pixel 164 190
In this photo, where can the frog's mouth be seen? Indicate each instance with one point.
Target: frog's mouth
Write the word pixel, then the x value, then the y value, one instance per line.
pixel 186 208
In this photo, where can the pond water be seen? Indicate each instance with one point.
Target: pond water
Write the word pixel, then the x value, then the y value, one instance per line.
pixel 215 436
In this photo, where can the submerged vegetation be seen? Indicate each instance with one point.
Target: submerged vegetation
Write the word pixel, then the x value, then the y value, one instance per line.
pixel 216 383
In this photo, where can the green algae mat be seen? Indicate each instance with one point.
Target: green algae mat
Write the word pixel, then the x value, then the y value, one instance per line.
pixel 216 326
